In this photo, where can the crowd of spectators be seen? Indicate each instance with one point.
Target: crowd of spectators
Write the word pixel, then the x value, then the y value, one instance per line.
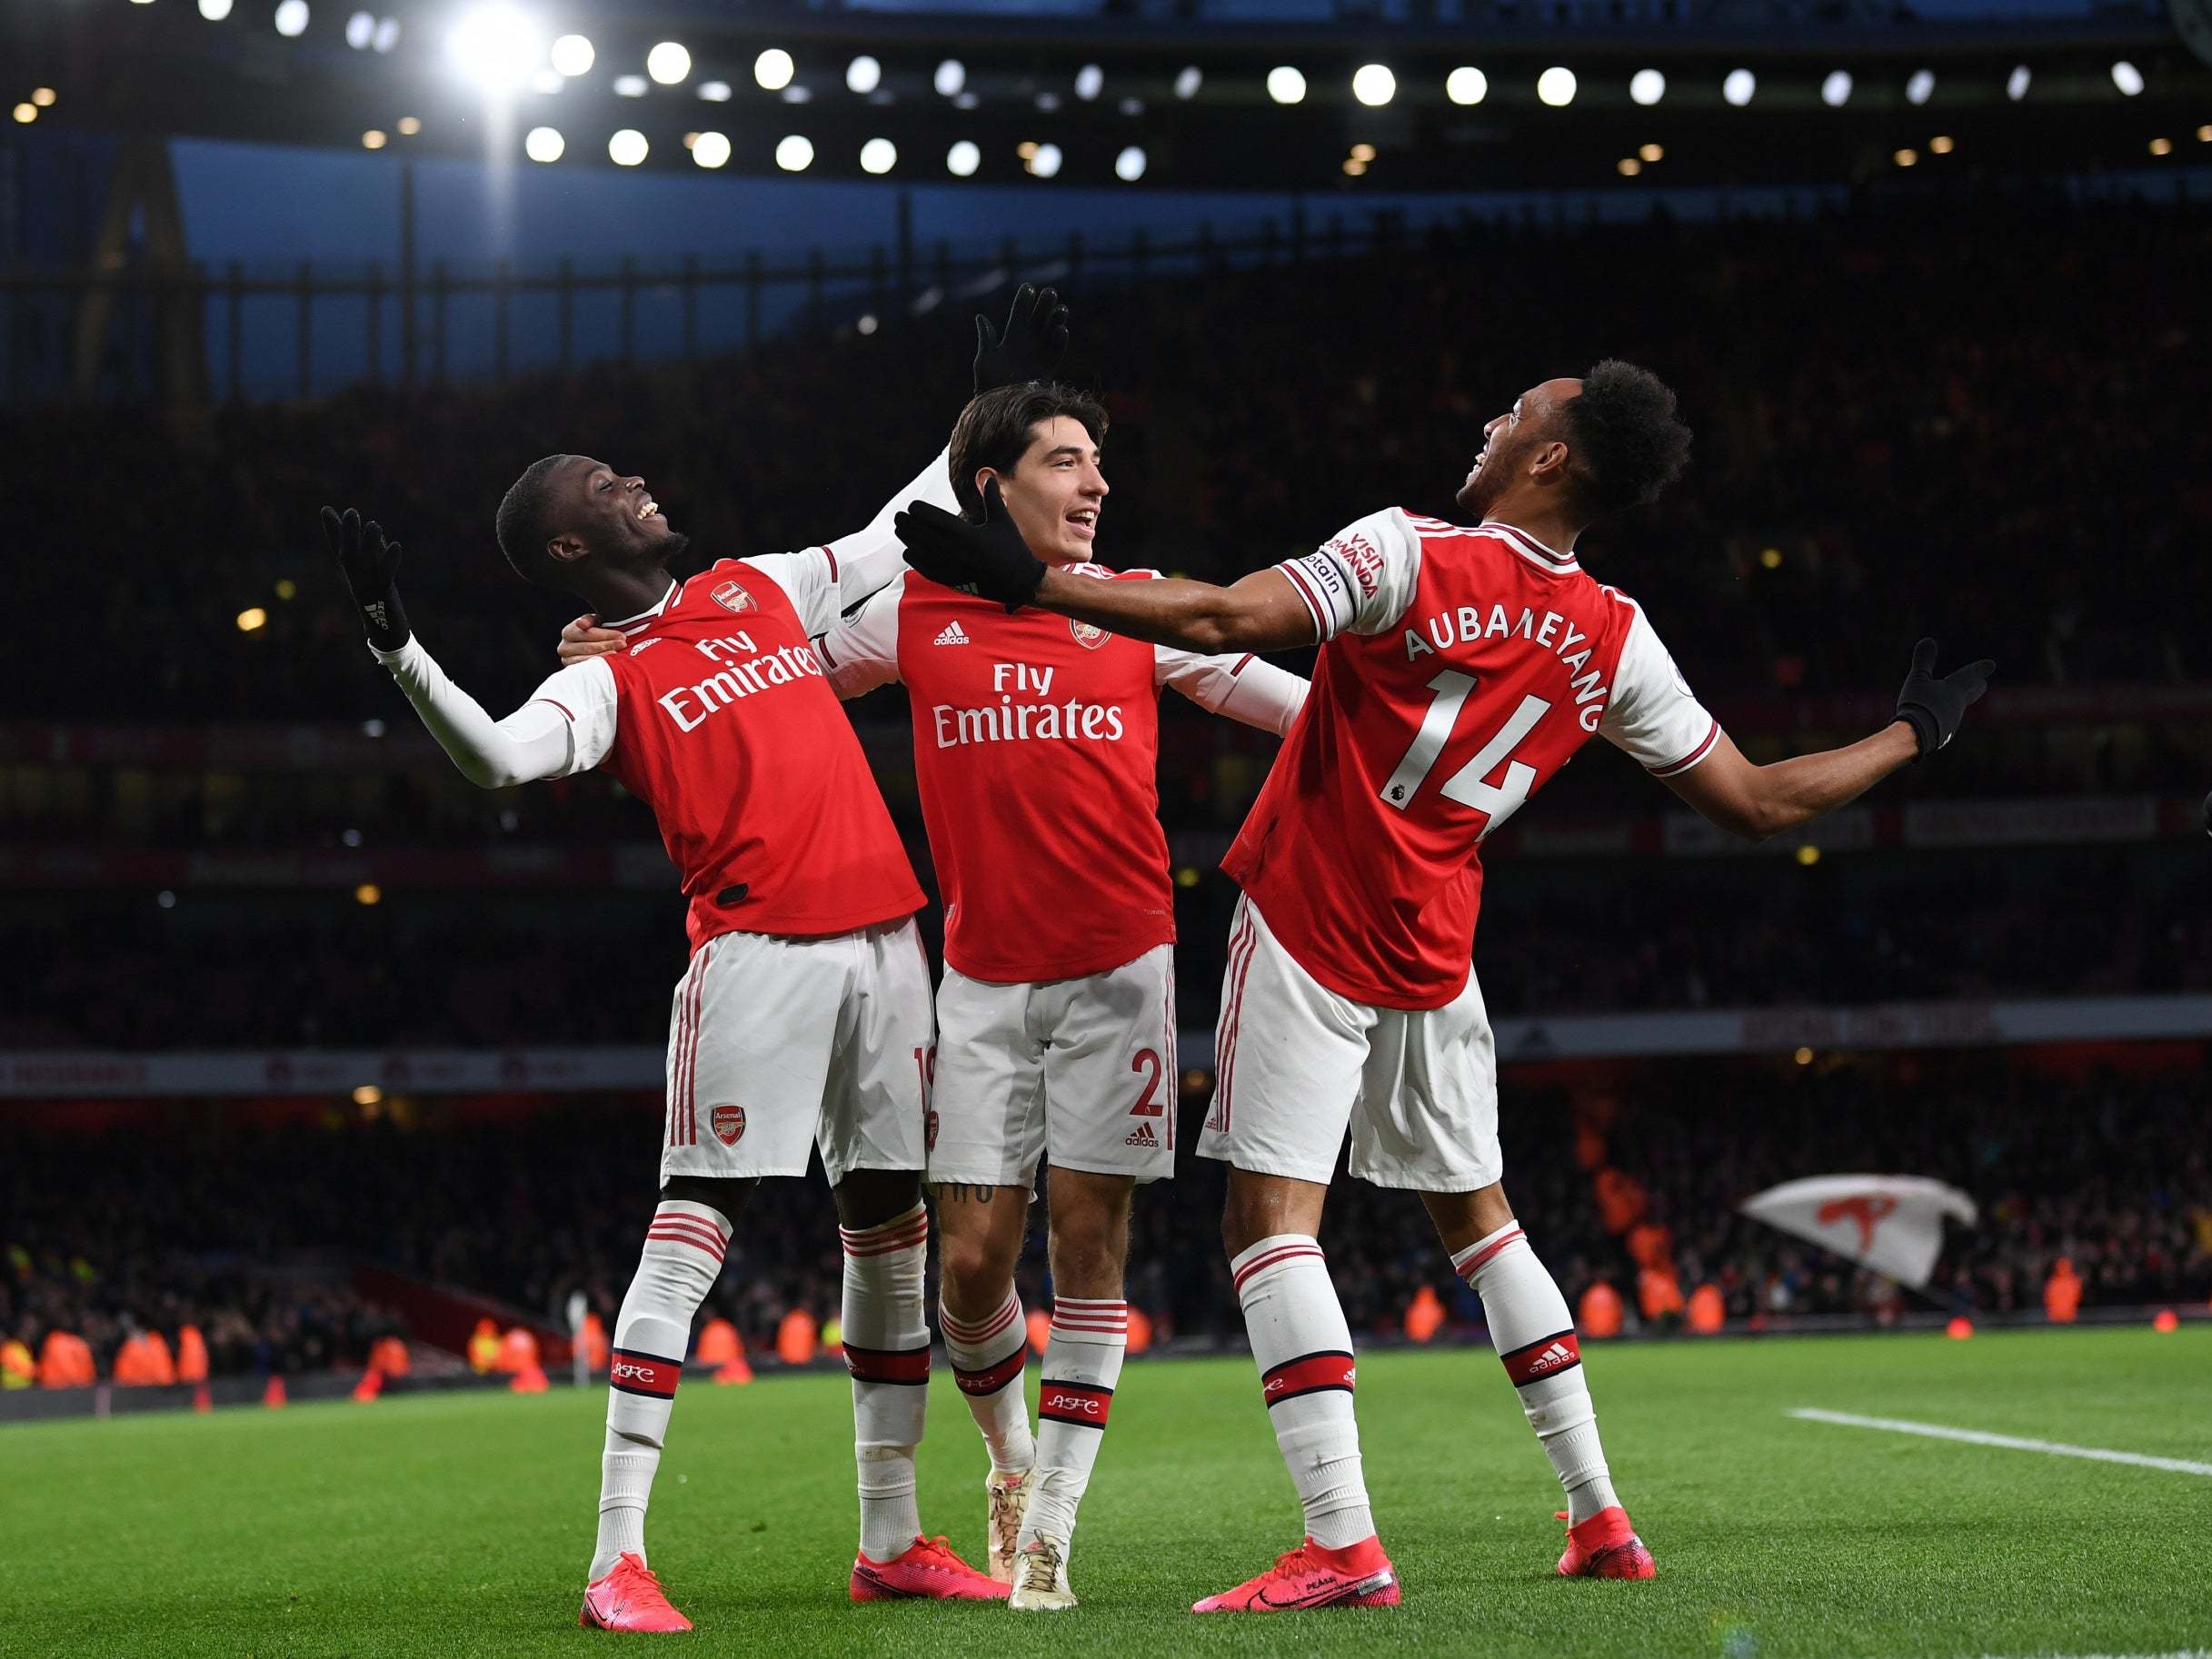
pixel 2034 490
pixel 2108 1172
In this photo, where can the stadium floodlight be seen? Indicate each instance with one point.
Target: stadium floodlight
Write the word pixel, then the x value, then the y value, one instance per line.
pixel 291 19
pixel 215 11
pixel 1128 167
pixel 24 112
pixel 572 55
pixel 496 46
pixel 360 30
pixel 2017 82
pixel 1090 81
pixel 373 139
pixel 711 150
pixel 409 126
pixel 772 70
pixel 543 143
pixel 1650 153
pixel 387 36
pixel 2128 78
pixel 1739 87
pixel 627 148
pixel 1188 80
pixel 1286 85
pixel 1467 84
pixel 1555 86
pixel 1906 158
pixel 864 74
pixel 1921 87
pixel 796 94
pixel 1373 84
pixel 879 156
pixel 669 62
pixel 632 85
pixel 548 82
pixel 1646 87
pixel 1048 101
pixel 795 154
pixel 1941 144
pixel 1044 160
pixel 42 96
pixel 2161 146
pixel 966 99
pixel 713 92
pixel 962 159
pixel 1836 90
pixel 951 76
pixel 1132 106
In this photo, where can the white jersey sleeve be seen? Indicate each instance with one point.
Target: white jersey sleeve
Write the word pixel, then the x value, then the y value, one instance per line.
pixel 1362 578
pixel 862 652
pixel 823 581
pixel 1241 687
pixel 1652 714
pixel 566 727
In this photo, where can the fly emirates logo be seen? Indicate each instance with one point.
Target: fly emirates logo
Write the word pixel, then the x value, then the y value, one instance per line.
pixel 1025 713
pixel 743 669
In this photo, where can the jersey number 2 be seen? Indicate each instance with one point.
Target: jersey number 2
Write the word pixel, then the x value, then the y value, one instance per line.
pixel 1498 800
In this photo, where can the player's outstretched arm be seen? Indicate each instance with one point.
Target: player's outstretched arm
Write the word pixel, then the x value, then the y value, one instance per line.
pixel 535 741
pixel 1261 612
pixel 1758 801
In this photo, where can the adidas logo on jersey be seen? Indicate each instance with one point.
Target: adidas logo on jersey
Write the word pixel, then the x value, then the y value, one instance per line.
pixel 954 634
pixel 1143 1136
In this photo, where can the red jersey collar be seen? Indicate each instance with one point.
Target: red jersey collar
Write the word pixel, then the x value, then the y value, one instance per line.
pixel 645 619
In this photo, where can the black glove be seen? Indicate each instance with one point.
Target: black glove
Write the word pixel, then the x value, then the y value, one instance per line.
pixel 989 559
pixel 369 563
pixel 1030 347
pixel 1933 707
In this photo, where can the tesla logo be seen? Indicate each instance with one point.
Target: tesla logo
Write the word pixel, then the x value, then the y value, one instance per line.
pixel 1869 1210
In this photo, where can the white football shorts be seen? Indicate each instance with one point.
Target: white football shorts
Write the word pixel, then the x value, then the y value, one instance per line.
pixel 1085 1066
pixel 779 1045
pixel 1295 1064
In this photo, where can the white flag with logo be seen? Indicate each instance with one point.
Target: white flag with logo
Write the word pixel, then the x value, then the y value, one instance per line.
pixel 1890 1223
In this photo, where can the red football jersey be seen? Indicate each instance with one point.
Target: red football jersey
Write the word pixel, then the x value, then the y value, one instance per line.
pixel 1459 668
pixel 1036 751
pixel 720 719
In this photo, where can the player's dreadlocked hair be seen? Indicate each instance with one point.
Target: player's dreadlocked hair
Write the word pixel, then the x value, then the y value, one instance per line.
pixel 994 428
pixel 525 523
pixel 1625 444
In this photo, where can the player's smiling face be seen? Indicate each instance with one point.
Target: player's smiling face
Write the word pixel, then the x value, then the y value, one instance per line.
pixel 1509 442
pixel 613 516
pixel 1056 491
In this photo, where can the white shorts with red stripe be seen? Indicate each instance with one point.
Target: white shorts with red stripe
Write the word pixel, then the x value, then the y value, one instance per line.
pixel 781 1045
pixel 1084 1068
pixel 1296 1065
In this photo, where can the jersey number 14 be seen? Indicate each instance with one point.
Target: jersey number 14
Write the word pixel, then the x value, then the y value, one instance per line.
pixel 1498 800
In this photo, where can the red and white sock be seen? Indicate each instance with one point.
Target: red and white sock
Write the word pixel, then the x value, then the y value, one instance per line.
pixel 1303 1349
pixel 1082 1366
pixel 988 1358
pixel 1535 1337
pixel 887 1351
pixel 681 1259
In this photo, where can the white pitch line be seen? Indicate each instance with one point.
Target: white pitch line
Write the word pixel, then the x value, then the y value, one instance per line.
pixel 1971 1437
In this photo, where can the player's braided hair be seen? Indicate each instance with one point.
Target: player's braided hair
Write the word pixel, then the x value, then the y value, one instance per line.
pixel 994 430
pixel 1625 445
pixel 525 524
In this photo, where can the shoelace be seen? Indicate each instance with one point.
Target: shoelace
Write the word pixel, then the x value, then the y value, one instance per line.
pixel 628 1572
pixel 1291 1563
pixel 939 1549
pixel 1042 1556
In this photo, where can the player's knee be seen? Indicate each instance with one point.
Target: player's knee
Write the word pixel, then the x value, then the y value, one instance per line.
pixel 976 1270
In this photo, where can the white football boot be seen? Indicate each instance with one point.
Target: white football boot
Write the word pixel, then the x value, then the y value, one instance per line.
pixel 1004 1496
pixel 1040 1576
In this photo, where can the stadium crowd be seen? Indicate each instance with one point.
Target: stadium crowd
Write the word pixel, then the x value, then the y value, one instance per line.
pixel 1629 1180
pixel 1906 476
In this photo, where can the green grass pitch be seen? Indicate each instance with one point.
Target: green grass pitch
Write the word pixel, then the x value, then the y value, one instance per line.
pixel 461 1524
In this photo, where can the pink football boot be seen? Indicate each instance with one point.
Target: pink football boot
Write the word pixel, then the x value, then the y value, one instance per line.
pixel 1605 1546
pixel 1358 1575
pixel 629 1598
pixel 929 1571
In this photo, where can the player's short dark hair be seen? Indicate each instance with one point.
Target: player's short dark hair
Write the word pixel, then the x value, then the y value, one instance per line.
pixel 1624 444
pixel 525 522
pixel 994 430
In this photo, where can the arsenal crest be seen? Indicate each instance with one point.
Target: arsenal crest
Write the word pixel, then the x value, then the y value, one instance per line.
pixel 732 596
pixel 729 1120
pixel 1089 635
